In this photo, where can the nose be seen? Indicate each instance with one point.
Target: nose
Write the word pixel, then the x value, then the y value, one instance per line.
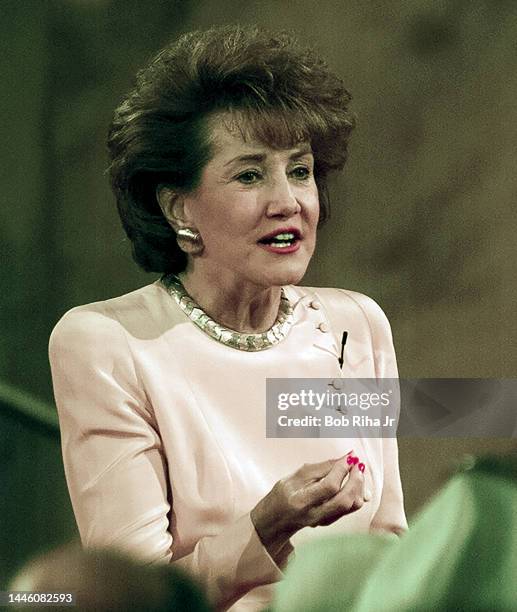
pixel 280 199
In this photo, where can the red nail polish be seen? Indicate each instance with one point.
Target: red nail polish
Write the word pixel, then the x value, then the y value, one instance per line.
pixel 361 466
pixel 350 460
pixel 356 460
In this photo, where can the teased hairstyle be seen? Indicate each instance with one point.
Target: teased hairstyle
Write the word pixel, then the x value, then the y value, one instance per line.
pixel 281 93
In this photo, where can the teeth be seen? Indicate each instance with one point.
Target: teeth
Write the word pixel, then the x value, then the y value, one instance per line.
pixel 281 240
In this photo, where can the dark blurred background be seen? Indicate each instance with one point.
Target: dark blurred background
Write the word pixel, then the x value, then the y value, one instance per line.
pixel 423 219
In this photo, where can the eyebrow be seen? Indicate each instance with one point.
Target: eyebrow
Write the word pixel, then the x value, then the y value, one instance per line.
pixel 260 157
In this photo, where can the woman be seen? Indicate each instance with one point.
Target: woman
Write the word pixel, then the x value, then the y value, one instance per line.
pixel 219 161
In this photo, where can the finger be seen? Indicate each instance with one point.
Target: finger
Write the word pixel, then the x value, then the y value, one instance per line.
pixel 315 471
pixel 349 499
pixel 367 493
pixel 354 484
pixel 327 487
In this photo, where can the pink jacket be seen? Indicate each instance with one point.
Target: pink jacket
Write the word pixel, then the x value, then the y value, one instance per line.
pixel 163 431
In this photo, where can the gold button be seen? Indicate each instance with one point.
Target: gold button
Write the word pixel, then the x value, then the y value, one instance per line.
pixel 323 327
pixel 316 305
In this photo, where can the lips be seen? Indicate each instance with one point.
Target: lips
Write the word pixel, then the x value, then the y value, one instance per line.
pixel 282 241
pixel 283 235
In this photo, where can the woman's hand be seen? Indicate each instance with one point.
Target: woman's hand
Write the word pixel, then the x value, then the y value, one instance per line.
pixel 314 495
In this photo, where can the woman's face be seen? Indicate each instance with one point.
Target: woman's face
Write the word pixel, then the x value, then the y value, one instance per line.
pixel 256 209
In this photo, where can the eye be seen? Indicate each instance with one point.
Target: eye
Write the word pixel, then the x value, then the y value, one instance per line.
pixel 249 177
pixel 301 172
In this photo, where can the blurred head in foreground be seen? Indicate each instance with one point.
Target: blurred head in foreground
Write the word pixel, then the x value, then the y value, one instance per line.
pixel 105 580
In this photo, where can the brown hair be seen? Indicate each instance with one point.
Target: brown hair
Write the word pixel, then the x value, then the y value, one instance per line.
pixel 283 93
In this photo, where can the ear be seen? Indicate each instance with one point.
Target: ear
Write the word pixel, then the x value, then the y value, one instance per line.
pixel 172 204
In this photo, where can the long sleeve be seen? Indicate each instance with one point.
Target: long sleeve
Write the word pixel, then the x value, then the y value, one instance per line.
pixel 390 516
pixel 116 468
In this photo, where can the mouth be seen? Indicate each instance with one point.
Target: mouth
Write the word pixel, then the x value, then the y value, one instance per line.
pixel 284 239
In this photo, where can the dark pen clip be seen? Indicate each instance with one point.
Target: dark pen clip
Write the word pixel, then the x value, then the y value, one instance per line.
pixel 343 342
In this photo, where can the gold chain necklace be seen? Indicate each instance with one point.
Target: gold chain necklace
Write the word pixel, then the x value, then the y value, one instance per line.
pixel 238 340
